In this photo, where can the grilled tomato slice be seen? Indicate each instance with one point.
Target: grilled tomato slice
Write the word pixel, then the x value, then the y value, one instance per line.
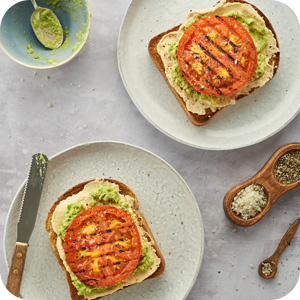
pixel 217 56
pixel 102 246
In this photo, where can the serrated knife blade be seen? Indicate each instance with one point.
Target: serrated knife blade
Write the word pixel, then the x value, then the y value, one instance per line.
pixel 31 197
pixel 27 218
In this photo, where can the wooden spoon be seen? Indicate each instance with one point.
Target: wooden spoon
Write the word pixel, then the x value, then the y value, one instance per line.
pixel 273 260
pixel 265 177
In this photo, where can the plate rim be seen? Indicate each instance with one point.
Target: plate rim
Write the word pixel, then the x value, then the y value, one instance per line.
pixel 120 143
pixel 194 145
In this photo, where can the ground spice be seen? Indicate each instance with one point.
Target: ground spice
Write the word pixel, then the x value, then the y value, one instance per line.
pixel 249 201
pixel 287 168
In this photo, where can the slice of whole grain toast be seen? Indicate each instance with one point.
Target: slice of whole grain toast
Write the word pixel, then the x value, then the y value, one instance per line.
pixel 196 119
pixel 124 190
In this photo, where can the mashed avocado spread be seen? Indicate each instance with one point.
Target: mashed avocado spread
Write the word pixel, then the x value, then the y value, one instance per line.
pixel 104 195
pixel 45 19
pixel 259 37
pixel 145 260
pixel 47 28
pixel 82 288
pixel 72 211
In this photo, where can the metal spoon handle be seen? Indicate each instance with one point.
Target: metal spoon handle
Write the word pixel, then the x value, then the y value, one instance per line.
pixel 34 4
pixel 287 237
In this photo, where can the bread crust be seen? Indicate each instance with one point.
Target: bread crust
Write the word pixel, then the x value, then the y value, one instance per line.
pixel 124 190
pixel 200 120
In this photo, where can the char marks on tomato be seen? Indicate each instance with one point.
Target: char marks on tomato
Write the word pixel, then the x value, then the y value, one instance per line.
pixel 102 246
pixel 217 56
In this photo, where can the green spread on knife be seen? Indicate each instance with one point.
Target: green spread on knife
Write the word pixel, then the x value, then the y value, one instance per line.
pixel 259 37
pixel 42 158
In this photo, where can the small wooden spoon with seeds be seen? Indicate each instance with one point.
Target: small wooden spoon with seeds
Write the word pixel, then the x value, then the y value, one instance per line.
pixel 265 178
pixel 273 260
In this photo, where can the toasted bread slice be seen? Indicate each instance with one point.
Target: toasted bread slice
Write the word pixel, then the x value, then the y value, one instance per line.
pixel 197 119
pixel 124 190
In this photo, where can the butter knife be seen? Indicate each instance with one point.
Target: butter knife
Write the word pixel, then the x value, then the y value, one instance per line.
pixel 26 222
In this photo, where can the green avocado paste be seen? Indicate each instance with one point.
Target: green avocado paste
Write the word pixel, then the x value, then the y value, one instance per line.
pixel 106 195
pixel 32 52
pixel 56 3
pixel 83 288
pixel 80 35
pixel 72 211
pixel 47 28
pixel 50 33
pixel 145 260
pixel 259 37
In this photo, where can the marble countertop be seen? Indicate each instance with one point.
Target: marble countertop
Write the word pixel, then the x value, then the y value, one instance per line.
pixel 85 101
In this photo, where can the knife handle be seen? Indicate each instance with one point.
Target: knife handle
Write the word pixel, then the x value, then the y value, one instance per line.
pixel 16 269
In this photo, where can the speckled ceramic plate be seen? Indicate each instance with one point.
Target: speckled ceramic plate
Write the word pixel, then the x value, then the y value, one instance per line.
pixel 250 121
pixel 164 199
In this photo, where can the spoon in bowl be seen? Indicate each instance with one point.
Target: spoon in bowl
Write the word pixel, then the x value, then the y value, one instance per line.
pixel 46 27
pixel 268 267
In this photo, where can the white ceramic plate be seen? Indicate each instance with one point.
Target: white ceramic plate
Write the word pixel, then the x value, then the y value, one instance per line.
pixel 250 121
pixel 164 199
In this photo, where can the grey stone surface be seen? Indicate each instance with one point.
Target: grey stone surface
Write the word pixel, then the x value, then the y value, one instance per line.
pixel 85 101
